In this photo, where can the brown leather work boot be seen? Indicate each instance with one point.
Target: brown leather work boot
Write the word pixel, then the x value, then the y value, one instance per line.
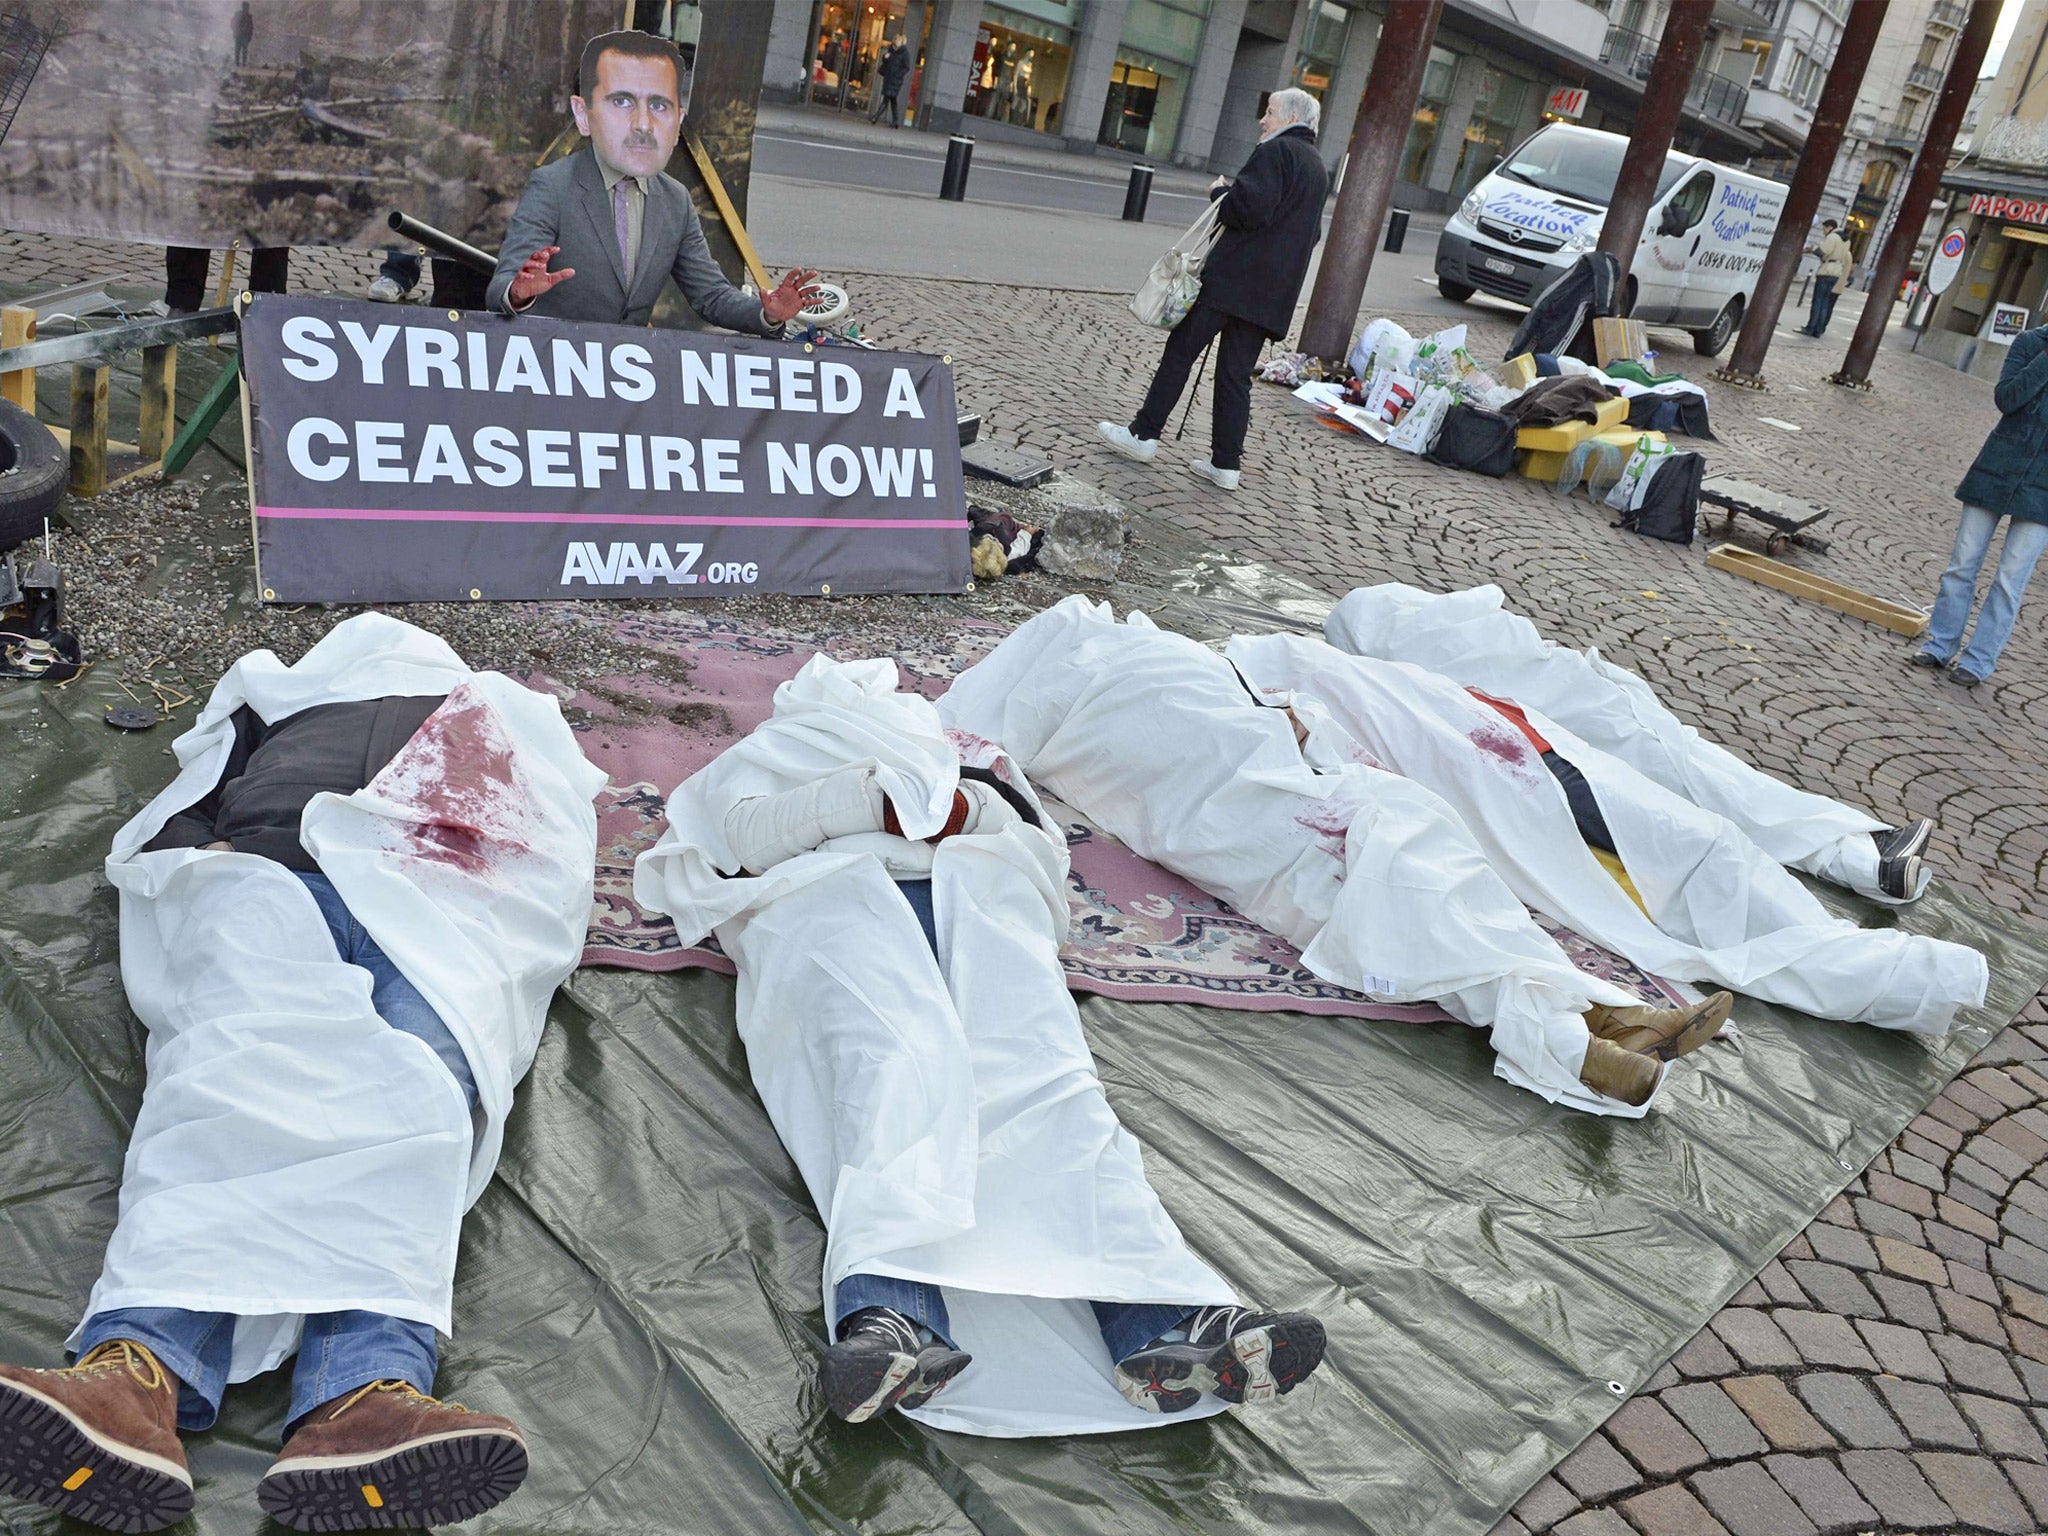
pixel 98 1441
pixel 1665 1033
pixel 1620 1074
pixel 386 1455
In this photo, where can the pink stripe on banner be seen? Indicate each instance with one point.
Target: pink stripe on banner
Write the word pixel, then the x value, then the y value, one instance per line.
pixel 599 520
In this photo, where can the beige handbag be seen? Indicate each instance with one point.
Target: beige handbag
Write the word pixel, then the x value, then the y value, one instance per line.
pixel 1169 289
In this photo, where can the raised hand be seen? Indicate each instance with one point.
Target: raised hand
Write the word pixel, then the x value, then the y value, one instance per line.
pixel 796 290
pixel 534 279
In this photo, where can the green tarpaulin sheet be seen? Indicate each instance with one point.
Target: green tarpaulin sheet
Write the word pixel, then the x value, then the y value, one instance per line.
pixel 639 1286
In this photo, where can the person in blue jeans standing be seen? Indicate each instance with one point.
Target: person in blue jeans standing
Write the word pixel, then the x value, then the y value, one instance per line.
pixel 2009 480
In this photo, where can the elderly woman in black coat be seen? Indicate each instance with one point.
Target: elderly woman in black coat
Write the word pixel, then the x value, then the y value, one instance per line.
pixel 2009 480
pixel 1271 218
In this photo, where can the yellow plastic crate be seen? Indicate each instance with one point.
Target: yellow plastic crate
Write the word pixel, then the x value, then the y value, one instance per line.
pixel 1548 463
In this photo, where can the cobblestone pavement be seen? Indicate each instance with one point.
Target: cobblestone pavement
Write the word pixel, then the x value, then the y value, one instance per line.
pixel 1889 1371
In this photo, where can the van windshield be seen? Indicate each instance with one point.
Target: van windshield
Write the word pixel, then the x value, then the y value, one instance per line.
pixel 1583 168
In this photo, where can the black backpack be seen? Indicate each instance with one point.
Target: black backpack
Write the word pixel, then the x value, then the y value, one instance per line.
pixel 1475 439
pixel 1671 502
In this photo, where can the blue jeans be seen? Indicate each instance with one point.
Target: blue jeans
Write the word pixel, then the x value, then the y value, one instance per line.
pixel 338 1351
pixel 1127 1326
pixel 1823 307
pixel 2023 545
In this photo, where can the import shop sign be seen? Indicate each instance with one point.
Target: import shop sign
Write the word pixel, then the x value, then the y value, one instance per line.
pixel 417 457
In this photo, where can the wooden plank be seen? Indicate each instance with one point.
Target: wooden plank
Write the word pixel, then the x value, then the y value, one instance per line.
pixel 159 401
pixel 225 291
pixel 18 329
pixel 702 159
pixel 219 396
pixel 1896 617
pixel 89 429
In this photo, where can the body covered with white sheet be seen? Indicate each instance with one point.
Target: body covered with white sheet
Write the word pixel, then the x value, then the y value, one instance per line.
pixel 943 1109
pixel 295 1154
pixel 1471 638
pixel 1719 910
pixel 1157 740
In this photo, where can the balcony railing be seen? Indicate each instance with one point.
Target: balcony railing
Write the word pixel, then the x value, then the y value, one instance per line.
pixel 1891 131
pixel 1946 14
pixel 1709 95
pixel 1924 77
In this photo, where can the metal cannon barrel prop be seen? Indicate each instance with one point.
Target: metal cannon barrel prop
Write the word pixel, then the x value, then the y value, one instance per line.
pixel 442 243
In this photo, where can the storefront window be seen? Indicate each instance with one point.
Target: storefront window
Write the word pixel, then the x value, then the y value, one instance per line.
pixel 852 36
pixel 1020 67
pixel 1429 111
pixel 1149 80
pixel 1495 117
pixel 1322 45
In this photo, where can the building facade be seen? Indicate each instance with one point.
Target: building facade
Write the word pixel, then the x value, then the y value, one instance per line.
pixel 1184 81
pixel 1996 191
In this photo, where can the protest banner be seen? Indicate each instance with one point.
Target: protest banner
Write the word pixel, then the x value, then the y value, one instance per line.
pixel 414 457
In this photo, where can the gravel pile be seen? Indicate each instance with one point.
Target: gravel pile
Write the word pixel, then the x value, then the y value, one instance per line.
pixel 161 587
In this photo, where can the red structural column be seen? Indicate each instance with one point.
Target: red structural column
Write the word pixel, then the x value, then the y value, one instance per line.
pixel 1381 129
pixel 1802 199
pixel 1919 194
pixel 1678 55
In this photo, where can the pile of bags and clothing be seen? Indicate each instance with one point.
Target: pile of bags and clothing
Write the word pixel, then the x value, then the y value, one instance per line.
pixel 1545 412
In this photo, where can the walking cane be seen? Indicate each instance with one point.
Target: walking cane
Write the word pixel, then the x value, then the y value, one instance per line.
pixel 1200 363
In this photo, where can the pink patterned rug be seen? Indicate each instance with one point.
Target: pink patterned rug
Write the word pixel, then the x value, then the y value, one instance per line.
pixel 1138 933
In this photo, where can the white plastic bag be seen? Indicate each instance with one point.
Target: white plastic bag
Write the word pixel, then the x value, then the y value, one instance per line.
pixel 1381 344
pixel 1417 430
pixel 1169 289
pixel 1627 493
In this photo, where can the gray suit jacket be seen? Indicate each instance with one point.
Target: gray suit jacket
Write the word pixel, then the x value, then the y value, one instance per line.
pixel 565 204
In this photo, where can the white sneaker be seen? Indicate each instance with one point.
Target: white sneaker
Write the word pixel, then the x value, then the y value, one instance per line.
pixel 1120 438
pixel 1222 479
pixel 385 290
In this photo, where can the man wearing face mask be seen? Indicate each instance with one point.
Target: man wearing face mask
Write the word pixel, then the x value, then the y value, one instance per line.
pixel 619 224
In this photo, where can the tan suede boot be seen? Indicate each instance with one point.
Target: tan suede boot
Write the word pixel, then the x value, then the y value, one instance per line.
pixel 388 1456
pixel 1620 1074
pixel 98 1441
pixel 1665 1033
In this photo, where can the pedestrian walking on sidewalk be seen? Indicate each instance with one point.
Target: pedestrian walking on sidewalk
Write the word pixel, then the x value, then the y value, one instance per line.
pixel 2009 480
pixel 889 78
pixel 1835 258
pixel 1271 218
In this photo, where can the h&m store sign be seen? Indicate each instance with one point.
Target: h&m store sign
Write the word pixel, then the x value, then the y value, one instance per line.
pixel 2024 210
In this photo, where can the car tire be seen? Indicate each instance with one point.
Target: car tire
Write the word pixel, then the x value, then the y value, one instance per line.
pixel 33 470
pixel 1708 343
pixel 1457 293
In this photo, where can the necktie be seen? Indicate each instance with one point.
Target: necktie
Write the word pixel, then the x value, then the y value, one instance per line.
pixel 619 224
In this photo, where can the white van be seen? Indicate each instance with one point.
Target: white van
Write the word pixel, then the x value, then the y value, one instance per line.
pixel 1540 209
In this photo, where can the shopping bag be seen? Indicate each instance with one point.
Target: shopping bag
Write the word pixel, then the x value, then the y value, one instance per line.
pixel 1417 430
pixel 1169 289
pixel 1627 492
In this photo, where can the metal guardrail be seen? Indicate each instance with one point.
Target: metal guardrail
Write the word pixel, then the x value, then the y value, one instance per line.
pixel 1947 14
pixel 1925 76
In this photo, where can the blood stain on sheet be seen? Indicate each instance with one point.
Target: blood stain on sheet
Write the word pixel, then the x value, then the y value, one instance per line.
pixel 1330 822
pixel 1504 744
pixel 458 774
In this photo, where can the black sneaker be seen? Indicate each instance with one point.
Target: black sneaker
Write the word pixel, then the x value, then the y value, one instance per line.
pixel 1963 679
pixel 1240 1355
pixel 1931 663
pixel 883 1360
pixel 1899 864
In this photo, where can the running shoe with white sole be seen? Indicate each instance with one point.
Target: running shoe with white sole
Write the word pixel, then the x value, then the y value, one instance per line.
pixel 1899 865
pixel 1240 1355
pixel 883 1360
pixel 1126 442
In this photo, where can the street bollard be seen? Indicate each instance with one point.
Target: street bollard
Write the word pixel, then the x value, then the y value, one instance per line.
pixel 1397 231
pixel 1138 193
pixel 959 155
